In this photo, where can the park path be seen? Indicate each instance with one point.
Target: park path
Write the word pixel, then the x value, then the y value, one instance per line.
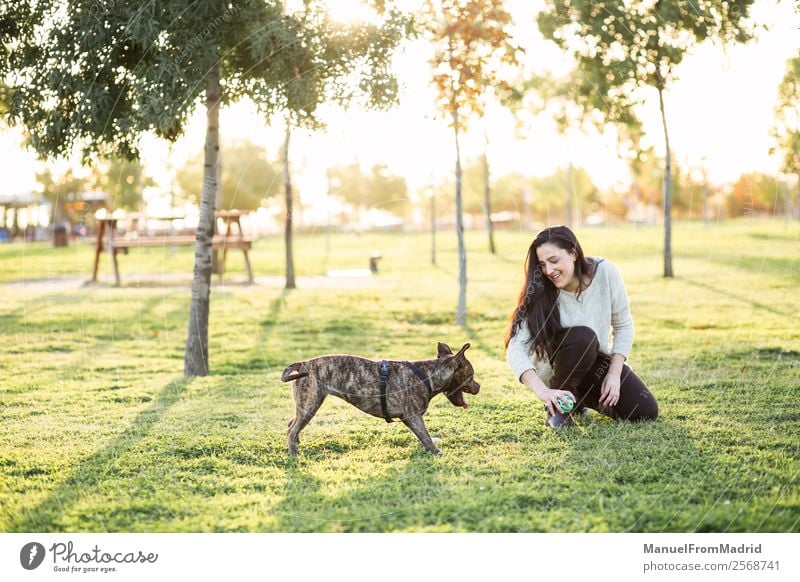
pixel 71 283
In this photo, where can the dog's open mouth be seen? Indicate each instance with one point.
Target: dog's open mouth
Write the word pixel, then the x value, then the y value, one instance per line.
pixel 457 398
pixel 457 395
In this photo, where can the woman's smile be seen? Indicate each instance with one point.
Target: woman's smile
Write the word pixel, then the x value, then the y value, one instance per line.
pixel 557 265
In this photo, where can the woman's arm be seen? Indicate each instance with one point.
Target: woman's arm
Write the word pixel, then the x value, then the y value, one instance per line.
pixel 617 360
pixel 518 354
pixel 621 318
pixel 622 328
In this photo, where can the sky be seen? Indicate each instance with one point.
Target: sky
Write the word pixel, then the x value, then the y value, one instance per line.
pixel 719 114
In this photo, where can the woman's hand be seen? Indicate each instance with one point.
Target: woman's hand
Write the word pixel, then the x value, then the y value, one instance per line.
pixel 550 398
pixel 609 392
pixel 543 393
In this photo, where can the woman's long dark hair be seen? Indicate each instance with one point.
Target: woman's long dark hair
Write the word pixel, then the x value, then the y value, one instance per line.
pixel 537 303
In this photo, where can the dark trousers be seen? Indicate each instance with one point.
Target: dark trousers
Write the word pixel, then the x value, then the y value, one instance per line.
pixel 579 367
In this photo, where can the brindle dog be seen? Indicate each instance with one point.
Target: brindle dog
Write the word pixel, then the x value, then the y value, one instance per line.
pixel 357 380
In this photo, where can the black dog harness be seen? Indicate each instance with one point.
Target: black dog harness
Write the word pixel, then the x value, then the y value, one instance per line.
pixel 384 379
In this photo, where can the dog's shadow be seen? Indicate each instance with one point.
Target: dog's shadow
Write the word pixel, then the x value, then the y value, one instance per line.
pixel 318 500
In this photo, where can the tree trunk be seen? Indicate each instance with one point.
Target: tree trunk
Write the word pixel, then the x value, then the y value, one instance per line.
pixel 798 195
pixel 287 183
pixel 461 311
pixel 667 194
pixel 327 227
pixel 570 198
pixel 706 216
pixel 196 357
pixel 217 267
pixel 487 198
pixel 59 212
pixel 433 228
pixel 527 211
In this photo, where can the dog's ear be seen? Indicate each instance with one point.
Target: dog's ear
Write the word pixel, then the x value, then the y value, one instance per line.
pixel 462 350
pixel 444 350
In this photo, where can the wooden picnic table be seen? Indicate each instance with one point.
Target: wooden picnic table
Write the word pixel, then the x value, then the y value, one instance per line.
pixel 107 241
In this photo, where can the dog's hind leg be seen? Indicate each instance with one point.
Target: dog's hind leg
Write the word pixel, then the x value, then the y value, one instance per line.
pixel 307 402
pixel 417 425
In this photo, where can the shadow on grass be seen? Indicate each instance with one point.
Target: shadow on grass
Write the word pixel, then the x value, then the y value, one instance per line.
pixel 89 335
pixel 98 314
pixel 392 501
pixel 628 477
pixel 730 295
pixel 482 346
pixel 772 236
pixel 786 267
pixel 704 466
pixel 89 473
pixel 300 334
pixel 301 490
pixel 258 359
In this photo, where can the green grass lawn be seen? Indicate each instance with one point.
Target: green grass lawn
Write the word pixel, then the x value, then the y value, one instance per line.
pixel 100 432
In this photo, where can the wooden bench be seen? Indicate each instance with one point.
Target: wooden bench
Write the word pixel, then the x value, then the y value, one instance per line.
pixel 107 242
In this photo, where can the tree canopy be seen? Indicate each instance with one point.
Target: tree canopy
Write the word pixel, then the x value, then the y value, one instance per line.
pixel 619 46
pixel 786 131
pixel 472 49
pixel 756 192
pixel 97 75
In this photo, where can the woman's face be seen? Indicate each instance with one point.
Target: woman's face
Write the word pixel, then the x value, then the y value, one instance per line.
pixel 558 265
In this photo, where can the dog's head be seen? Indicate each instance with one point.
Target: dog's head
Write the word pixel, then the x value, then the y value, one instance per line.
pixel 463 375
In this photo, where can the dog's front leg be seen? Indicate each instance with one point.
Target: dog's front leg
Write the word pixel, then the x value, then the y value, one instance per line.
pixel 417 426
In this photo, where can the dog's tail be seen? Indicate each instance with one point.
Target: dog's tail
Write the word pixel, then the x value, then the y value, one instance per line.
pixel 288 376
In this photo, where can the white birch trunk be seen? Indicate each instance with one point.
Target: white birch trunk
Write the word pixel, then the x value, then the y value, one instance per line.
pixel 461 311
pixel 196 356
pixel 287 183
pixel 667 195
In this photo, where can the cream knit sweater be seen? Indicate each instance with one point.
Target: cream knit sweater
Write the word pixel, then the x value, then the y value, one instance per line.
pixel 603 306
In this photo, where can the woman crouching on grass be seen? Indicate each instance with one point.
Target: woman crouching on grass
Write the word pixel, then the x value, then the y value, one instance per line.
pixel 558 336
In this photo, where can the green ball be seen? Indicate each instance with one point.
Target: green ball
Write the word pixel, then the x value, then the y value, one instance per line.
pixel 566 404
